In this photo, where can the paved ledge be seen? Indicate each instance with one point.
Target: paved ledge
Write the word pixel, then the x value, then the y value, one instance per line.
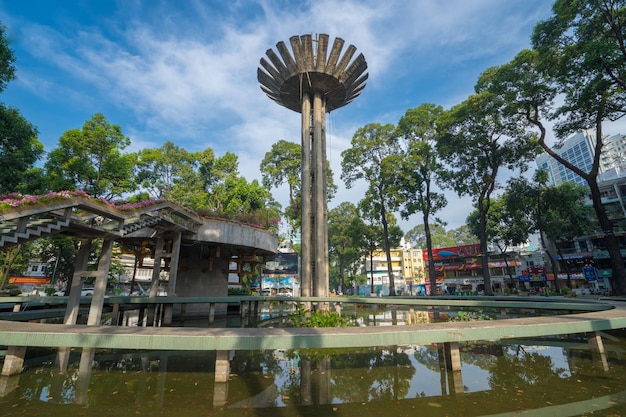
pixel 180 338
pixel 544 303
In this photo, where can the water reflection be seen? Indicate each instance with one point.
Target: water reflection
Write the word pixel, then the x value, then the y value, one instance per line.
pixel 561 377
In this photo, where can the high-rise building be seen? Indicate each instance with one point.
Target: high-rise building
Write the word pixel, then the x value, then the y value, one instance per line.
pixel 589 252
pixel 579 149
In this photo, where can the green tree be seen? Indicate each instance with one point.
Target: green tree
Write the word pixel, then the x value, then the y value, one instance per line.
pixel 344 238
pixel 558 213
pixel 581 52
pixel 420 172
pixel 565 215
pixel 461 235
pixel 375 156
pixel 7 60
pixel 19 146
pixel 505 228
pixel 440 237
pixel 59 252
pixel 478 142
pixel 19 151
pixel 283 165
pixel 91 159
pixel 15 259
pixel 370 237
pixel 159 170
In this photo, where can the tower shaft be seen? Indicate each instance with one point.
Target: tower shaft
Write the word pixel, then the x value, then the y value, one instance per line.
pixel 313 80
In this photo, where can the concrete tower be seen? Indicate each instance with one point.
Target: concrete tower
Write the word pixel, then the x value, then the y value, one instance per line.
pixel 313 82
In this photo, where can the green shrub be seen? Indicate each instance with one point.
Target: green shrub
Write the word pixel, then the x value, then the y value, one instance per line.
pixel 317 319
pixel 237 291
pixel 13 290
pixel 470 316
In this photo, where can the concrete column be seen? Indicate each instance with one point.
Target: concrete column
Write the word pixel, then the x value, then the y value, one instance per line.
pixel 453 356
pixel 456 382
pixel 168 314
pixel 14 360
pixel 80 265
pixel 598 354
pixel 319 239
pixel 323 381
pixel 115 314
pixel 222 366
pixel 220 394
pixel 324 230
pixel 154 285
pixel 84 376
pixel 102 274
pixel 163 360
pixel 211 313
pixel 306 389
pixel 63 359
pixel 222 372
pixel 156 270
pixel 8 384
pixel 306 227
pixel 171 290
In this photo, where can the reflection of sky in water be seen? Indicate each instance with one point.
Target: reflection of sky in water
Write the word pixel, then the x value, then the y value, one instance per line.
pixel 44 395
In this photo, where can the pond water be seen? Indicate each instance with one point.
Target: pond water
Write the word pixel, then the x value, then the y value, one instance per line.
pixel 542 377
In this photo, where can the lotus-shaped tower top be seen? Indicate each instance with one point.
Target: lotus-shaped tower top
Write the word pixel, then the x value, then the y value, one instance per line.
pixel 309 68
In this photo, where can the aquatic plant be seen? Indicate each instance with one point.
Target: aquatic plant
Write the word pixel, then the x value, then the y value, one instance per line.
pixel 319 318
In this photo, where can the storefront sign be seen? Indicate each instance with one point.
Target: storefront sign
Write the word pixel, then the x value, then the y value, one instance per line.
pixel 30 280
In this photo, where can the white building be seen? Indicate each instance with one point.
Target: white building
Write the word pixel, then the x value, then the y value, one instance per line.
pixel 579 149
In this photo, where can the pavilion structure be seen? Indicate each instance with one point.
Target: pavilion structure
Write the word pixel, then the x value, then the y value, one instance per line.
pixel 313 79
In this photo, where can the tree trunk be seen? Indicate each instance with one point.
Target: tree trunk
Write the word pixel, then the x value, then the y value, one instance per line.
pixel 618 277
pixel 506 265
pixel 432 272
pixel 565 266
pixel 372 272
pixel 484 259
pixel 11 256
pixel 383 216
pixel 553 262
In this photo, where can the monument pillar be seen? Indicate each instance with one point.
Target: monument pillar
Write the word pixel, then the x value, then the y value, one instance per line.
pixel 313 81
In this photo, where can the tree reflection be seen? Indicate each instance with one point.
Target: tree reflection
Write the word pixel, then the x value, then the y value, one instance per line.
pixel 260 369
pixel 356 374
pixel 517 369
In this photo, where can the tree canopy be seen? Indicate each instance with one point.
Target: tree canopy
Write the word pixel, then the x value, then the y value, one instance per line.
pixel 478 141
pixel 91 159
pixel 421 171
pixel 20 148
pixel 374 156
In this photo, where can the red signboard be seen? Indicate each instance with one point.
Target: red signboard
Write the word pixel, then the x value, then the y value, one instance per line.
pixel 461 251
pixel 30 280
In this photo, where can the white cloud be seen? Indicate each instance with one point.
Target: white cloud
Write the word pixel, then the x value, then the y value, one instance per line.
pixel 186 71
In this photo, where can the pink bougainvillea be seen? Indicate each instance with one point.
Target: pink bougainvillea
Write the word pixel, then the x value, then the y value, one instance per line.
pixel 15 200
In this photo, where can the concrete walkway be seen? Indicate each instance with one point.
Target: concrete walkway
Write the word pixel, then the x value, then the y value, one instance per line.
pixel 180 338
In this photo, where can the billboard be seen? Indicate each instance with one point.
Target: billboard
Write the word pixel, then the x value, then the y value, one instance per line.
pixel 29 280
pixel 460 251
pixel 281 264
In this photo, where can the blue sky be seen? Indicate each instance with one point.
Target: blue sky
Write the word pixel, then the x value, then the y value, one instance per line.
pixel 185 70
